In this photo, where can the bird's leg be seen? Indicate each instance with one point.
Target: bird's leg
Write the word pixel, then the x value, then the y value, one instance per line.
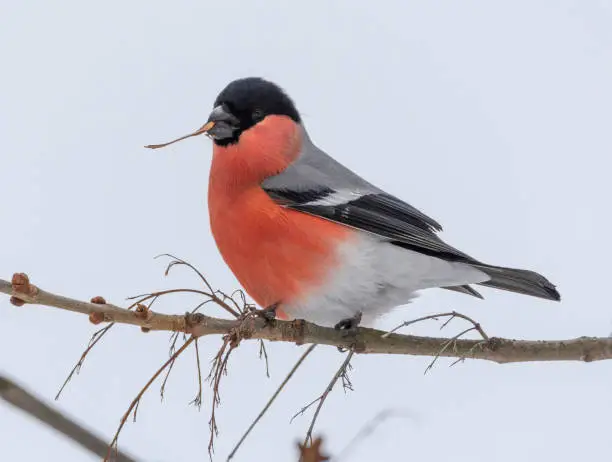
pixel 268 313
pixel 349 327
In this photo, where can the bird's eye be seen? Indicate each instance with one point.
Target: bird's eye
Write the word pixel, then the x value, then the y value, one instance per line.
pixel 258 114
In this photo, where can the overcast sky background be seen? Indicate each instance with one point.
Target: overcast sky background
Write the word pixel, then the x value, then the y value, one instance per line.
pixel 492 118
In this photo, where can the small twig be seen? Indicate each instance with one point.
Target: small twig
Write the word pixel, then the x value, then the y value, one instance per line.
pixel 263 353
pixel 435 317
pixel 303 410
pixel 140 299
pixel 449 342
pixel 133 405
pixel 243 300
pixel 271 400
pixel 476 325
pixel 173 339
pixel 77 367
pixel 197 401
pixel 323 397
pixel 347 385
pixel 367 341
pixel 179 261
pixel 224 297
pixel 219 368
pixel 162 388
pixel 451 315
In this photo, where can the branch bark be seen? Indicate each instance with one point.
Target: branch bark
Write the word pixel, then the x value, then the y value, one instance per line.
pixel 366 341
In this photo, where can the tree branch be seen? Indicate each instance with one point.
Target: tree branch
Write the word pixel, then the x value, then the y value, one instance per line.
pixel 369 341
pixel 30 404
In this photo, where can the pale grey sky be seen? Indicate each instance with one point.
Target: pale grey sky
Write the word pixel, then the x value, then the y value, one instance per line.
pixel 501 115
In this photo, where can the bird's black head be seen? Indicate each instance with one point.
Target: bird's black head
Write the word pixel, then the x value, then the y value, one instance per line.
pixel 243 104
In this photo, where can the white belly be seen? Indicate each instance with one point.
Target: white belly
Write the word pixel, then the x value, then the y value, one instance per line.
pixel 372 278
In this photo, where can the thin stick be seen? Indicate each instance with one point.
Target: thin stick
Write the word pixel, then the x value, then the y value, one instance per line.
pixel 77 367
pixel 197 401
pixel 445 346
pixel 219 368
pixel 302 411
pixel 264 353
pixel 329 388
pixel 135 401
pixel 199 131
pixel 162 388
pixel 451 315
pixel 271 400
pixel 212 295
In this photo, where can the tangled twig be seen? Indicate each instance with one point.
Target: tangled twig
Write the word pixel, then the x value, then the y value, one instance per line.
pixel 218 370
pixel 139 304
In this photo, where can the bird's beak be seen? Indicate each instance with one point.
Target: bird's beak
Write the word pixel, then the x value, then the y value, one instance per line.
pixel 220 124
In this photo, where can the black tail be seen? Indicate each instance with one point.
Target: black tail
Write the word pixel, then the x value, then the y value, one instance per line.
pixel 520 281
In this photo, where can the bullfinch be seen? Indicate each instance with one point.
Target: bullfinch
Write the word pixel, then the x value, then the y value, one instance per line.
pixel 309 239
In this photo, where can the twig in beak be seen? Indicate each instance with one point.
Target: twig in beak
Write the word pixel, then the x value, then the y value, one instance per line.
pixel 205 128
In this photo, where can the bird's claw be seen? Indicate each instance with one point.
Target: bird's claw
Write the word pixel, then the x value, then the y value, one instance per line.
pixel 349 325
pixel 349 328
pixel 268 313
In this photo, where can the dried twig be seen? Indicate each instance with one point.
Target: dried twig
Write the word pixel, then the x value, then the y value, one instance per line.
pixel 446 344
pixel 321 399
pixel 95 338
pixel 135 402
pixel 197 401
pixel 271 400
pixel 211 292
pixel 451 315
pixel 162 388
pixel 264 354
pixel 218 369
pixel 144 313
pixel 303 410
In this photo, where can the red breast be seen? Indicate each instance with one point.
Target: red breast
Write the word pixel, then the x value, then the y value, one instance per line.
pixel 277 254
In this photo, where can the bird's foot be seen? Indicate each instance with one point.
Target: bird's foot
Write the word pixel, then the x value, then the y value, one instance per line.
pixel 268 313
pixel 349 327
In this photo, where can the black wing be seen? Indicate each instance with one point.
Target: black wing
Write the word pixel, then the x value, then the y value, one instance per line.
pixel 378 213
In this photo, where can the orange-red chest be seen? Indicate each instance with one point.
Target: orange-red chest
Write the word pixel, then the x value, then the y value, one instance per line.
pixel 277 254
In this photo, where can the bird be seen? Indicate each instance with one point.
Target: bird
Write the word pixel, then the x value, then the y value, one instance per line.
pixel 308 238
